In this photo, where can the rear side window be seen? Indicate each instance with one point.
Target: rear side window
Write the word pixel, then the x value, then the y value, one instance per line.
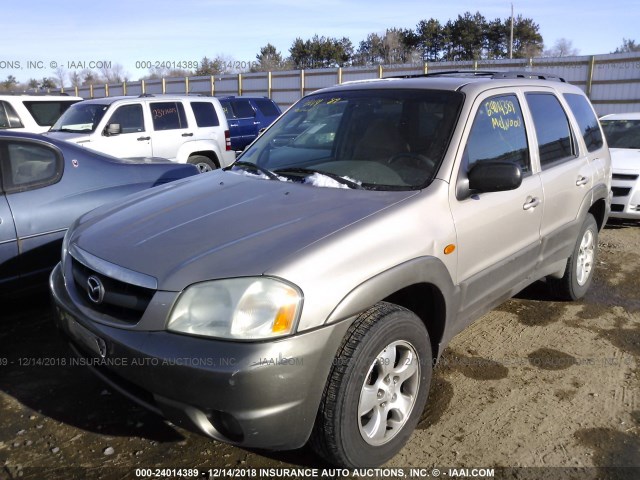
pixel 205 114
pixel 46 112
pixel 267 107
pixel 586 119
pixel 552 128
pixel 243 109
pixel 168 116
pixel 498 134
pixel 27 165
pixel 8 116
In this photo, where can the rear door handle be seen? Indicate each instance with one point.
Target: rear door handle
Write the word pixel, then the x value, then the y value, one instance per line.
pixel 582 181
pixel 187 134
pixel 143 139
pixel 532 202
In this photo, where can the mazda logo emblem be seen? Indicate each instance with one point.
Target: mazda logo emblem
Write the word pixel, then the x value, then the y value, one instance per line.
pixel 95 289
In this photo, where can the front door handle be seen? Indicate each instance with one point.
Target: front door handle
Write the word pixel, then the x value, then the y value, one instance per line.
pixel 143 139
pixel 532 202
pixel 582 181
pixel 187 134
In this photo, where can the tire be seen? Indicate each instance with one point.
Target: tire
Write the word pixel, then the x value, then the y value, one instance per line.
pixel 366 415
pixel 204 164
pixel 581 264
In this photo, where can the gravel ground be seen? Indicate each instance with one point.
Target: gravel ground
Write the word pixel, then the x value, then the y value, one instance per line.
pixel 551 388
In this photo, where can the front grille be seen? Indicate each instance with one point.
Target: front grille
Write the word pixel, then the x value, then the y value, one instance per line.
pixel 616 207
pixel 122 301
pixel 624 176
pixel 620 191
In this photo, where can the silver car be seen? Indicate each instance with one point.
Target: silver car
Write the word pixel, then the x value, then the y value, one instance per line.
pixel 304 293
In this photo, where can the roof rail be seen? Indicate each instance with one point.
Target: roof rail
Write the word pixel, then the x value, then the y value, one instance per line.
pixel 144 95
pixel 487 73
pixel 36 94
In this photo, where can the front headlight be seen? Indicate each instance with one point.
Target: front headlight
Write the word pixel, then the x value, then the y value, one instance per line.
pixel 251 308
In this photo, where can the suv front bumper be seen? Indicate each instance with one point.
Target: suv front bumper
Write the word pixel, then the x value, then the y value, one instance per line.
pixel 253 394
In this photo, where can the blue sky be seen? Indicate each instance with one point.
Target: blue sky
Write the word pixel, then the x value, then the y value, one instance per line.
pixel 125 32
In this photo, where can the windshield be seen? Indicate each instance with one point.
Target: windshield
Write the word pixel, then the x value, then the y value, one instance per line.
pixel 80 118
pixel 622 133
pixel 375 139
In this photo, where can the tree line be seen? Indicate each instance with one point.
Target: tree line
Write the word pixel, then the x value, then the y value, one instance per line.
pixel 468 37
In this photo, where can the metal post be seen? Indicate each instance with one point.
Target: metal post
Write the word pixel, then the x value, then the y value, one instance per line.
pixel 143 86
pixel 106 89
pixel 164 85
pixel 380 71
pixel 186 85
pixel 239 84
pixel 302 82
pixel 124 88
pixel 339 75
pixel 592 66
pixel 91 90
pixel 269 84
pixel 213 85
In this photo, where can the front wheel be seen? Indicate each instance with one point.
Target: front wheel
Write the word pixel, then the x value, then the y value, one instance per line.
pixel 580 265
pixel 204 164
pixel 377 388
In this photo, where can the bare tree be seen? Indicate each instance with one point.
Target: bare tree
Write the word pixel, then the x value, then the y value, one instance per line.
pixel 61 75
pixel 76 79
pixel 562 48
pixel 114 73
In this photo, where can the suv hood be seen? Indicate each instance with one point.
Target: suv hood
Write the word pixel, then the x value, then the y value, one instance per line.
pixel 221 225
pixel 625 159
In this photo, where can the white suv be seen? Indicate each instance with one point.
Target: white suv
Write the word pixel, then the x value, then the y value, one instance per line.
pixel 181 128
pixel 32 113
pixel 623 136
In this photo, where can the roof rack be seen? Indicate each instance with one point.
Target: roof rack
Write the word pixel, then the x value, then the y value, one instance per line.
pixel 487 73
pixel 36 94
pixel 144 95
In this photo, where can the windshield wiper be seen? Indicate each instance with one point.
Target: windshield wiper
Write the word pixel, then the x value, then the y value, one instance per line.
pixel 253 166
pixel 311 171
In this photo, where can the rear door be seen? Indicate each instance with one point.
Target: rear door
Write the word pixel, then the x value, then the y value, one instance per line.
pixel 170 128
pixel 566 173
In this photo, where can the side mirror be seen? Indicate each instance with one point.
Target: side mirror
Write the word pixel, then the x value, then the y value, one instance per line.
pixel 494 177
pixel 113 129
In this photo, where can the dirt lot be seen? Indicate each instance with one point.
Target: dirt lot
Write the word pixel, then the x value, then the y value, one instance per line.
pixel 535 383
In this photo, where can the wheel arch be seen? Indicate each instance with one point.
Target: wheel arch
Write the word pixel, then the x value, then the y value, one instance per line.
pixel 422 285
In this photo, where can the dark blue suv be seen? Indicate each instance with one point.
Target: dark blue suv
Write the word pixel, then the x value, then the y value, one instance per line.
pixel 247 116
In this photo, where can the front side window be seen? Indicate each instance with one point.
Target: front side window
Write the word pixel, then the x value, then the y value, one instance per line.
pixel 81 118
pixel 8 116
pixel 168 116
pixel 555 142
pixel 498 134
pixel 378 139
pixel 27 165
pixel 586 119
pixel 622 133
pixel 129 117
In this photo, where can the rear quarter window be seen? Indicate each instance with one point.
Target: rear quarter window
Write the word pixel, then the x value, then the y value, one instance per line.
pixel 27 166
pixel 588 122
pixel 205 114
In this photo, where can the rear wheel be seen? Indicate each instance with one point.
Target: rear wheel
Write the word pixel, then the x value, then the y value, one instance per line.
pixel 204 164
pixel 376 390
pixel 580 267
